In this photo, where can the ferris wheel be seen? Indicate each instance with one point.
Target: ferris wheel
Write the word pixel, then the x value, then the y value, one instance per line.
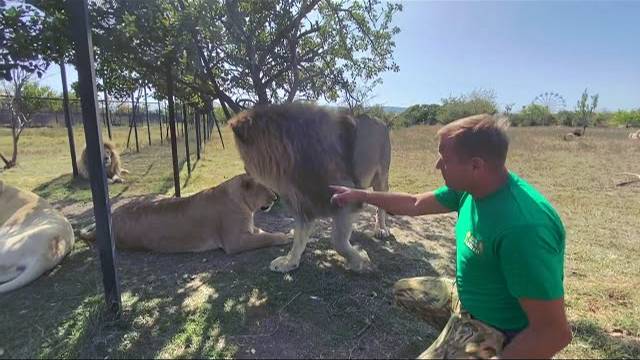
pixel 554 102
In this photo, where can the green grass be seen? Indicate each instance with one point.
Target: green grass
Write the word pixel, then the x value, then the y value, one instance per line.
pixel 214 305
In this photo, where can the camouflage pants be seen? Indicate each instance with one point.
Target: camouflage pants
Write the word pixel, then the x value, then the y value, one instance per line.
pixel 435 300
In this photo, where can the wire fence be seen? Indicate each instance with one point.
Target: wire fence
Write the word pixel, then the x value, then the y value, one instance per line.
pixel 132 125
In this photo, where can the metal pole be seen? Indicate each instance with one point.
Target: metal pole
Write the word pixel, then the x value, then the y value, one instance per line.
pixel 204 130
pixel 135 121
pixel 197 125
pixel 106 109
pixel 81 31
pixel 186 137
pixel 172 127
pixel 67 119
pixel 160 121
pixel 215 120
pixel 146 110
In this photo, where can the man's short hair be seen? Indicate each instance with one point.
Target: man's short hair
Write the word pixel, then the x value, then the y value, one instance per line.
pixel 482 136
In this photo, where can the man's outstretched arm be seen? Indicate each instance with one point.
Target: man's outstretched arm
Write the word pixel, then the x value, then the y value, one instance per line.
pixel 393 203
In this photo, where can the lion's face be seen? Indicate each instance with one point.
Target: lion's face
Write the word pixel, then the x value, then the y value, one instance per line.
pixel 257 195
pixel 107 158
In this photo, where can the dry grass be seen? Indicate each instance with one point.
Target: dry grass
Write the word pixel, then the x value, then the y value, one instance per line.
pixel 211 305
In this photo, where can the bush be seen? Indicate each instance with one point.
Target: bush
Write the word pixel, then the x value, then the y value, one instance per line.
pixel 533 115
pixel 626 118
pixel 566 118
pixel 457 107
pixel 419 114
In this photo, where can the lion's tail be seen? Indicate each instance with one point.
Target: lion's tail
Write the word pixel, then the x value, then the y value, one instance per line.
pixel 88 232
pixel 15 277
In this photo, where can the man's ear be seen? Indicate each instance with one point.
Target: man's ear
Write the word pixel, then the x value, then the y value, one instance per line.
pixel 478 163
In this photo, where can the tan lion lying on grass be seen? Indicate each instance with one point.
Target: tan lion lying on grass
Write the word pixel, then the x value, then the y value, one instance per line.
pixel 220 217
pixel 34 237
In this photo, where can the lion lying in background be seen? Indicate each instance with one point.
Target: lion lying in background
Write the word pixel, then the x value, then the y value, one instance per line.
pixel 220 217
pixel 298 151
pixel 34 237
pixel 112 164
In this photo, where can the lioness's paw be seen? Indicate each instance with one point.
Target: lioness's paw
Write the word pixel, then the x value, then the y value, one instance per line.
pixel 284 239
pixel 283 264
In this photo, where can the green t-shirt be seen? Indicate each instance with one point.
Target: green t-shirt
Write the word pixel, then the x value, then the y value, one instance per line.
pixel 510 244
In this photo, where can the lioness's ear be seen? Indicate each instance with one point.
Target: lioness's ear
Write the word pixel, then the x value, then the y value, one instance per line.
pixel 240 126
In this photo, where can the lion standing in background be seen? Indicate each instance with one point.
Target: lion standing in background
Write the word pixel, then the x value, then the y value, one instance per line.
pixel 112 164
pixel 299 150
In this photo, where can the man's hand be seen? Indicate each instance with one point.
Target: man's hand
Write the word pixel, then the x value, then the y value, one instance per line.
pixel 343 195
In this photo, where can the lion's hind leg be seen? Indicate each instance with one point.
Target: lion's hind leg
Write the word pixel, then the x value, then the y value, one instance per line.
pixel 257 240
pixel 381 183
pixel 357 260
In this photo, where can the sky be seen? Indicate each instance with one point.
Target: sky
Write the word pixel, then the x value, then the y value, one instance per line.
pixel 517 49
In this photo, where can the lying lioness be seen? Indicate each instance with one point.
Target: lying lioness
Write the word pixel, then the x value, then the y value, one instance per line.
pixel 220 217
pixel 34 237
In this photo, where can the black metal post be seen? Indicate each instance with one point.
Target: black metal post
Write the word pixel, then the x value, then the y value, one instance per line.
pixel 146 110
pixel 135 121
pixel 172 127
pixel 106 109
pixel 81 31
pixel 186 137
pixel 160 121
pixel 67 120
pixel 215 120
pixel 197 126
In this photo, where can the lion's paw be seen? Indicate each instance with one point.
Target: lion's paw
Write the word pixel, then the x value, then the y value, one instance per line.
pixel 381 233
pixel 283 264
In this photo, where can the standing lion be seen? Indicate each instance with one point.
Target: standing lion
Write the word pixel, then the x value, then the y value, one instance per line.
pixel 112 164
pixel 300 150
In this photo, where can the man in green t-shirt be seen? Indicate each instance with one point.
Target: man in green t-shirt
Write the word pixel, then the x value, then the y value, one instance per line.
pixel 509 251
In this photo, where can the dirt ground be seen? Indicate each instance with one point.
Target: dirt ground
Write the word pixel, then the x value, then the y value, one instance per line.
pixel 337 295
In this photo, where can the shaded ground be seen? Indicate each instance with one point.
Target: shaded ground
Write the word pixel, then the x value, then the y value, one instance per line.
pixel 212 304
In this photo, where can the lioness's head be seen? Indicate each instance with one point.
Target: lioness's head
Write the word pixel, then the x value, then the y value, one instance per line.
pixel 256 195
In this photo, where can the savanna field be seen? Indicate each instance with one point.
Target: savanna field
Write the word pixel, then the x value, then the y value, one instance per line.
pixel 215 305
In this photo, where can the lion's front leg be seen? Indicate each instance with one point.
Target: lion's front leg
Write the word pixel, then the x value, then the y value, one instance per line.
pixel 291 261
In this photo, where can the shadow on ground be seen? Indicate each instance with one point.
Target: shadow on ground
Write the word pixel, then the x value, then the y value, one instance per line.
pixel 212 305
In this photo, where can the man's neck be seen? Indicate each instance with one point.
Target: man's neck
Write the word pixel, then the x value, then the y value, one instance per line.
pixel 491 184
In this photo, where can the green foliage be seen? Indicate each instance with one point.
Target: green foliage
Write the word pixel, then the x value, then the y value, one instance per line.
pixel 602 118
pixel 259 51
pixel 626 118
pixel 533 115
pixel 585 109
pixel 378 112
pixel 477 102
pixel 22 40
pixel 32 102
pixel 566 118
pixel 419 114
